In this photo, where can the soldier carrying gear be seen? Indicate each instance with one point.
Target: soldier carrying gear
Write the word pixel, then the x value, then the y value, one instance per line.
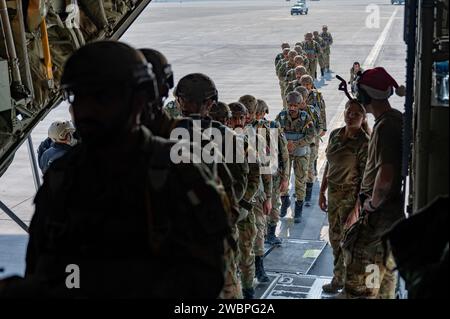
pixel 280 55
pixel 297 127
pixel 312 50
pixel 317 110
pixel 294 84
pixel 298 61
pixel 280 178
pixel 322 46
pixel 127 184
pixel 328 41
pixel 262 201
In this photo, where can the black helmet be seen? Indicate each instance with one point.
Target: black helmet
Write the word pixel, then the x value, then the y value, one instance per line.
pixel 197 87
pixel 249 102
pixel 161 68
pixel 220 111
pixel 106 64
pixel 237 109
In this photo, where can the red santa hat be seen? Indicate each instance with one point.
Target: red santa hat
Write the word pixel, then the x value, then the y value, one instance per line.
pixel 378 84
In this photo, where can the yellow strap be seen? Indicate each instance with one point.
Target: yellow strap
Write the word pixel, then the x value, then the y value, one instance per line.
pixel 46 49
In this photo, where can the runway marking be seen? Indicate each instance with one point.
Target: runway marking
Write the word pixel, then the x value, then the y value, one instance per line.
pixel 338 119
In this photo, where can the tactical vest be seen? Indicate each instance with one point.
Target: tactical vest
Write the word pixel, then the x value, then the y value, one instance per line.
pixel 297 133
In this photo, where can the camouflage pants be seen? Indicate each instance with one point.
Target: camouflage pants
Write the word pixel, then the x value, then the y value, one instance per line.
pixel 312 173
pixel 312 68
pixel 232 286
pixel 321 60
pixel 326 58
pixel 260 223
pixel 274 216
pixel 341 202
pixel 247 234
pixel 283 90
pixel 370 271
pixel 300 165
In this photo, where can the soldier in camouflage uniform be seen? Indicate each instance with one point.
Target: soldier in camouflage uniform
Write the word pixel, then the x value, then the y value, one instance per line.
pixel 283 70
pixel 346 160
pixel 262 201
pixel 232 287
pixel 315 99
pixel 298 48
pixel 328 39
pixel 298 128
pixel 279 65
pixel 246 223
pixel 280 55
pixel 312 50
pixel 321 58
pixel 280 179
pixel 293 85
pixel 298 61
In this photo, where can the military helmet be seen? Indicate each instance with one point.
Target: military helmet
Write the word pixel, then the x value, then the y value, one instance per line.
pixel 303 91
pixel 161 68
pixel 104 64
pixel 249 102
pixel 307 79
pixel 298 49
pixel 301 69
pixel 308 35
pixel 299 59
pixel 285 45
pixel 59 129
pixel 197 87
pixel 292 54
pixel 316 33
pixel 220 110
pixel 237 109
pixel 262 107
pixel 325 27
pixel 294 97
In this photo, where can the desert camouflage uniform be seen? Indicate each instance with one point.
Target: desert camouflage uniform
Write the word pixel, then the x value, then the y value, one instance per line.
pixel 173 109
pixel 321 57
pixel 312 50
pixel 316 100
pixel 282 72
pixel 265 191
pixel 300 132
pixel 343 194
pixel 328 39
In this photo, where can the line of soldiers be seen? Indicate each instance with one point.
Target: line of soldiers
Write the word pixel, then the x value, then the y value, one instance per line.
pixel 300 128
pixel 314 49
